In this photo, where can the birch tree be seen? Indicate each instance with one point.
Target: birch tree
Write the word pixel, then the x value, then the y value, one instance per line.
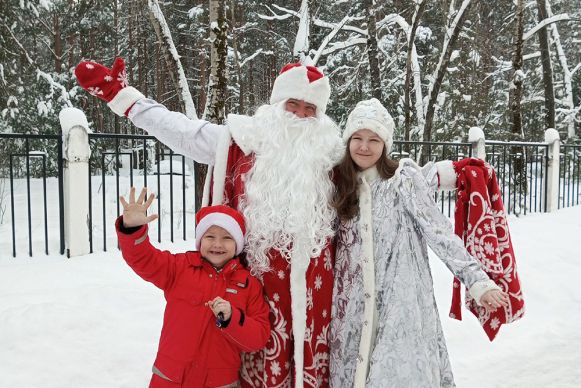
pixel 570 110
pixel 168 48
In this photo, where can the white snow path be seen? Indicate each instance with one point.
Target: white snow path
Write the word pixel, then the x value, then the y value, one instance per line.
pixel 91 322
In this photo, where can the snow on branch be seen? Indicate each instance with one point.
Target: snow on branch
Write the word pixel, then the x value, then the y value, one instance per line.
pixel 343 45
pixel 54 85
pixel 545 22
pixel 155 12
pixel 276 16
pixel 328 38
pixel 322 23
pixel 301 47
pixel 20 46
pixel 345 27
pixel 447 36
pixel 404 25
pixel 251 57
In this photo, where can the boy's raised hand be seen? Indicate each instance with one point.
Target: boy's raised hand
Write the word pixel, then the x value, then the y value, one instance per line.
pixel 135 212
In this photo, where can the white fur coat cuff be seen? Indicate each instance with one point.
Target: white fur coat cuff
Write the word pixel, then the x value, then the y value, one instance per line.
pixel 125 100
pixel 482 287
pixel 446 174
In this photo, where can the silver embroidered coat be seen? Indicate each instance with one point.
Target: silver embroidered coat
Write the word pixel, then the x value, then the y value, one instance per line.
pixel 382 257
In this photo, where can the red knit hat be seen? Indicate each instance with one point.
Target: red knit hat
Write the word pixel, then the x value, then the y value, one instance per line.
pixel 225 217
pixel 301 82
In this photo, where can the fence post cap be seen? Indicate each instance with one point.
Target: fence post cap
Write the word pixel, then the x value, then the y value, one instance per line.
pixel 475 134
pixel 72 117
pixel 551 135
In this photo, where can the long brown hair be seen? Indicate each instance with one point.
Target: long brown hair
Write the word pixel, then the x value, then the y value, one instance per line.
pixel 346 200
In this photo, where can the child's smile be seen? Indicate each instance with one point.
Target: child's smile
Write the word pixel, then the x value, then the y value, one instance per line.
pixel 217 246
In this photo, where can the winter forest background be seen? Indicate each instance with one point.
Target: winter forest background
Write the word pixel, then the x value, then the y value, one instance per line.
pixel 441 67
pixel 472 63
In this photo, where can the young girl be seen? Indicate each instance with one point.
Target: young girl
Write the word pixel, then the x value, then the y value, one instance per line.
pixel 215 309
pixel 385 329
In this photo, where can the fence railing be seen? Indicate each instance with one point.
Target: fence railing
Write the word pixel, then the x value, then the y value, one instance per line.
pixel 23 184
pixel 44 179
pixel 570 175
pixel 521 169
pixel 119 162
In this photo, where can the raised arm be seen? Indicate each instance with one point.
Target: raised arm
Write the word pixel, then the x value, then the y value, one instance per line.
pixel 193 138
pixel 151 264
pixel 438 233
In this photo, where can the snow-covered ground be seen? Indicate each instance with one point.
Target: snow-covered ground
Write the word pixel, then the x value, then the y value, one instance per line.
pixel 91 322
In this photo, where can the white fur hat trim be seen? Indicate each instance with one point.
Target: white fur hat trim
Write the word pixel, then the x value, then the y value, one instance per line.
pixel 295 83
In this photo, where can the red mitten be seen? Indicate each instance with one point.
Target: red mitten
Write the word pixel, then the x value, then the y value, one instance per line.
pixel 109 85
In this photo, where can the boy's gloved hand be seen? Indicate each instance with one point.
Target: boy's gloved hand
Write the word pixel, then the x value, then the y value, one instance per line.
pixel 109 85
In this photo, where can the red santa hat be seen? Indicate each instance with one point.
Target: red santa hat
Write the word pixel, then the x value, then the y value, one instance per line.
pixel 225 217
pixel 301 82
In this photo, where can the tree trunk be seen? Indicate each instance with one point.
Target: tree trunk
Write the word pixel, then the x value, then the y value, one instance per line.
pixel 215 108
pixel 567 78
pixel 372 50
pixel 440 72
pixel 202 97
pixel 517 152
pixel 408 75
pixel 302 45
pixel 236 57
pixel 518 75
pixel 214 111
pixel 174 66
pixel 547 67
pixel 58 45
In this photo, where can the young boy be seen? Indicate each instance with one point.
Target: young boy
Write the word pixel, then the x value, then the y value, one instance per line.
pixel 215 309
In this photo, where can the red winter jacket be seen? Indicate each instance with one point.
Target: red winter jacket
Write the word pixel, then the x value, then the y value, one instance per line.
pixel 193 352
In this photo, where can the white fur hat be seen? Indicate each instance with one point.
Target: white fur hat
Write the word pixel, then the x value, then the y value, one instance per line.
pixel 301 82
pixel 370 114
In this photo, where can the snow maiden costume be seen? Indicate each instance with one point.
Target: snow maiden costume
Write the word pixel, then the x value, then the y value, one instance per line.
pixel 385 329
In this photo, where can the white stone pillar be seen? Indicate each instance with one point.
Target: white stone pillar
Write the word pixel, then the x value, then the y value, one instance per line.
pixel 76 153
pixel 552 180
pixel 476 137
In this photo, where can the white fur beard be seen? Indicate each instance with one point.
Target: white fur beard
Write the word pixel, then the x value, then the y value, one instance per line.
pixel 289 188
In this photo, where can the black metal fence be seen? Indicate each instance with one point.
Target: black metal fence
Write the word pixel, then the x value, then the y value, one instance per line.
pixel 119 162
pixel 26 162
pixel 521 169
pixel 569 175
pixel 31 184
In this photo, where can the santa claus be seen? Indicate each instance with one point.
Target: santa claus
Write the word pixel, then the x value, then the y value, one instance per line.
pixel 275 167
